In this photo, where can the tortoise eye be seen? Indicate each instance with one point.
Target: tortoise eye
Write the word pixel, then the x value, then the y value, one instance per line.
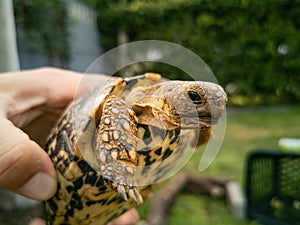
pixel 195 97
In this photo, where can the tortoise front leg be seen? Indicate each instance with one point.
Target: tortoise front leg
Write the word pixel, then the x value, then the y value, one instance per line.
pixel 116 147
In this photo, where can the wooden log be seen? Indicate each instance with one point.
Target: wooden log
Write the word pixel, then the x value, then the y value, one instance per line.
pixel 213 187
pixel 163 200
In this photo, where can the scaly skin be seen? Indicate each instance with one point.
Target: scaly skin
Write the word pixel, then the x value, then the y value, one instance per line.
pixel 102 150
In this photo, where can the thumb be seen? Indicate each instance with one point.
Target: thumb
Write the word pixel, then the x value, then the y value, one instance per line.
pixel 25 167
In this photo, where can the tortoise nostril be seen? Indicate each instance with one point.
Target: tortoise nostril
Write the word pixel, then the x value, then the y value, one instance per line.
pixel 195 97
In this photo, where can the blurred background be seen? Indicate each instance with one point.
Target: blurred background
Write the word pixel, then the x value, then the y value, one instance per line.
pixel 252 47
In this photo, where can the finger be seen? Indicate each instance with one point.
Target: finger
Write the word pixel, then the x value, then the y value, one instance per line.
pixel 30 89
pixel 47 86
pixel 62 86
pixel 25 168
pixel 128 218
pixel 37 221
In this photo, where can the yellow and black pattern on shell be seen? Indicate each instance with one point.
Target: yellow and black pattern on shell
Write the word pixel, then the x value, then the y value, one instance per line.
pixel 98 147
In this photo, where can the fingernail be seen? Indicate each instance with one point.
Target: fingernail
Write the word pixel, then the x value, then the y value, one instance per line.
pixel 40 187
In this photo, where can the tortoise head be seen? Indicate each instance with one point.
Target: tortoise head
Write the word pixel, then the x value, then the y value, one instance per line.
pixel 179 104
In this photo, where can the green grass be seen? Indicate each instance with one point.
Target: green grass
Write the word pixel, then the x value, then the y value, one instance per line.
pixel 246 130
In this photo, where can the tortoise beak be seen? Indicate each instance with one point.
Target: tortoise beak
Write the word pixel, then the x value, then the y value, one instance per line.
pixel 197 122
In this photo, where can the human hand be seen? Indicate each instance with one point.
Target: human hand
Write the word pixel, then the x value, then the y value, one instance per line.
pixel 30 103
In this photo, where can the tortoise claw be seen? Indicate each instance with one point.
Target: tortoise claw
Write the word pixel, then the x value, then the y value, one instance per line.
pixel 135 195
pixel 132 196
pixel 122 192
pixel 132 193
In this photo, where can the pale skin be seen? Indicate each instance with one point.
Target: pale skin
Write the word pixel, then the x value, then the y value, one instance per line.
pixel 30 103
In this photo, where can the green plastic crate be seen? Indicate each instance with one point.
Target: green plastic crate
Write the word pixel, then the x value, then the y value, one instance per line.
pixel 273 187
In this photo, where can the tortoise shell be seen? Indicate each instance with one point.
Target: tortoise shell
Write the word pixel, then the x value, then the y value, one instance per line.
pixel 114 143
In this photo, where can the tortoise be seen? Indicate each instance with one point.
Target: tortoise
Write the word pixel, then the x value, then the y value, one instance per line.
pixel 112 145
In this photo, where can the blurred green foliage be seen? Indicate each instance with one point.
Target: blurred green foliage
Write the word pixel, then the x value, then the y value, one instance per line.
pixel 252 46
pixel 43 25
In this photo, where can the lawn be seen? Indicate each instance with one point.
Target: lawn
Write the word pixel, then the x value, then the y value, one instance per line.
pixel 247 129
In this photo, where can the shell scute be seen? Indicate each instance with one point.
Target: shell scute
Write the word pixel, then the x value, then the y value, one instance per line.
pixel 110 144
